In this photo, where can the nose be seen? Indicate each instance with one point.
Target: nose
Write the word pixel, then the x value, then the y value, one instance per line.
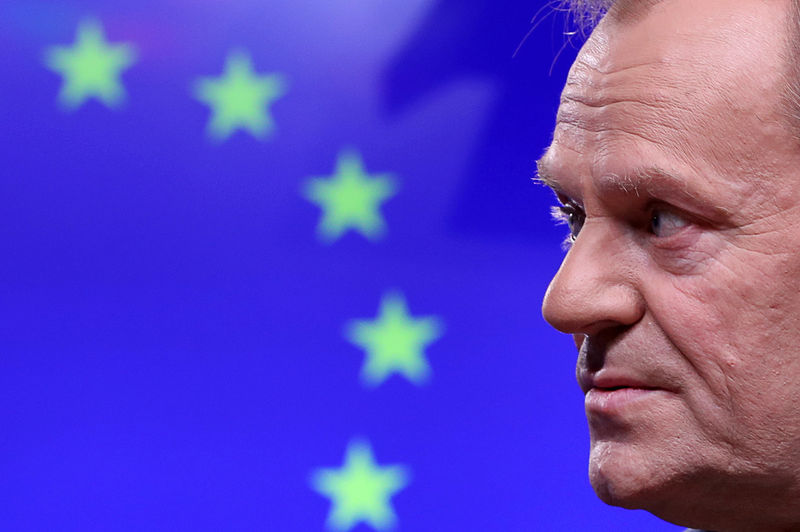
pixel 596 286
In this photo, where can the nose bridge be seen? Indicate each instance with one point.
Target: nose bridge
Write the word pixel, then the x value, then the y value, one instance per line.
pixel 596 285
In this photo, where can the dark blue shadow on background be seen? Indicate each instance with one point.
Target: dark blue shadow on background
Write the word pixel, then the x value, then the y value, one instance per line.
pixel 174 351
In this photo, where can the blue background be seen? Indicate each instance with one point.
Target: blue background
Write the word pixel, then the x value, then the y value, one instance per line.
pixel 171 347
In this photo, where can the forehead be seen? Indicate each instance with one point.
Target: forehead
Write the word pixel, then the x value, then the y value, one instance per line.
pixel 692 87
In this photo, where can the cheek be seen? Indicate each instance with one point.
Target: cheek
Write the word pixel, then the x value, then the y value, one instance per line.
pixel 741 310
pixel 735 330
pixel 754 299
pixel 692 314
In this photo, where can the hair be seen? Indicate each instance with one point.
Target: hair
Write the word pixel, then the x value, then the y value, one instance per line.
pixel 587 14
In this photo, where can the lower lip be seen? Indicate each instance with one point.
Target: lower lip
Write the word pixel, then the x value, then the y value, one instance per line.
pixel 609 401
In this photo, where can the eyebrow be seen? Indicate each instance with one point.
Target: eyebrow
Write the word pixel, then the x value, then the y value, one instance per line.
pixel 544 176
pixel 650 181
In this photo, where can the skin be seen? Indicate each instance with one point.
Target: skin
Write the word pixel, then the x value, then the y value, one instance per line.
pixel 672 141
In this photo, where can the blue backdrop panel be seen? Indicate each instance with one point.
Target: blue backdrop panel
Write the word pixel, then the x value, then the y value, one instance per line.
pixel 192 339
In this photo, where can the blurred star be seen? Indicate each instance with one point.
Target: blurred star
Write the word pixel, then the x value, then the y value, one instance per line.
pixel 350 199
pixel 360 490
pixel 240 98
pixel 91 67
pixel 394 342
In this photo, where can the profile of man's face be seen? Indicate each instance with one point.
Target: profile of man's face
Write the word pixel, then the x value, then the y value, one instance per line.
pixel 679 177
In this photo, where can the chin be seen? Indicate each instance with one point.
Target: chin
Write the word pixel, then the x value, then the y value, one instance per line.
pixel 622 477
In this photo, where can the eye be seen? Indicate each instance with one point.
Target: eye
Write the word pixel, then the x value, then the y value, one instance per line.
pixel 664 223
pixel 573 216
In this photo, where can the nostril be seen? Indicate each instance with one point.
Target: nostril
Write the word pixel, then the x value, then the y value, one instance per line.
pixel 594 347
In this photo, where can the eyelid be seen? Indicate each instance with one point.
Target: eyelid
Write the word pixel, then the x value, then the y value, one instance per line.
pixel 690 216
pixel 566 200
pixel 568 213
pixel 669 222
pixel 559 214
pixel 683 237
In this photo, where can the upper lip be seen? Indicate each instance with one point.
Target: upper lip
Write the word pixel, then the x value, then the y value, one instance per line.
pixel 607 380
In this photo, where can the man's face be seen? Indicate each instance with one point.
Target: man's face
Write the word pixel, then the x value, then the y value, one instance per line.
pixel 681 178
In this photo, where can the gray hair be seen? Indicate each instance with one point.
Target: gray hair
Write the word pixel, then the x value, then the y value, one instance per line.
pixel 587 13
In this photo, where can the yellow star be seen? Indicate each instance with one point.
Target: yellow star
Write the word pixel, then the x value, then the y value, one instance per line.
pixel 91 67
pixel 350 199
pixel 394 342
pixel 360 490
pixel 240 99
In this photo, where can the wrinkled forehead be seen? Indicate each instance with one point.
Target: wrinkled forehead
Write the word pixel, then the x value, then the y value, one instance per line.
pixel 724 46
pixel 694 87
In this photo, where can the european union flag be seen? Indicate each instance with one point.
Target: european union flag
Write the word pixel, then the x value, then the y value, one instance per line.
pixel 277 266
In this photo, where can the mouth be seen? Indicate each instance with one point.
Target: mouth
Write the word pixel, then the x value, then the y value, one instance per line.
pixel 610 380
pixel 623 387
pixel 609 392
pixel 609 400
